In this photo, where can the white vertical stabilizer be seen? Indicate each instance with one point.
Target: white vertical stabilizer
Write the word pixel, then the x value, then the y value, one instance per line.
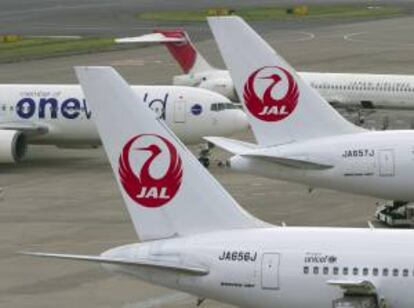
pixel 167 191
pixel 282 108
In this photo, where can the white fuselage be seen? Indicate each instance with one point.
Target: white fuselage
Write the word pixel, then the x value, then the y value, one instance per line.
pixel 340 89
pixel 364 90
pixel 374 163
pixel 62 110
pixel 282 267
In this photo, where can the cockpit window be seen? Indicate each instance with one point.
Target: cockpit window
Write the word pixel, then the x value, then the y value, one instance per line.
pixel 224 106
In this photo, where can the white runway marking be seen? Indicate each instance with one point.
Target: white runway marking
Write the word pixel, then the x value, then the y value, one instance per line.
pixel 307 36
pixel 351 37
pixel 161 300
pixel 134 62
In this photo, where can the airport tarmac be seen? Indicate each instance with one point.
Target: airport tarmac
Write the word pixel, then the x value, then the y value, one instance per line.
pixel 67 200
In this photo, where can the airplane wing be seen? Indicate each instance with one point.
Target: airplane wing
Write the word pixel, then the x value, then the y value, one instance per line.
pixel 231 145
pixel 184 269
pixel 25 127
pixel 354 287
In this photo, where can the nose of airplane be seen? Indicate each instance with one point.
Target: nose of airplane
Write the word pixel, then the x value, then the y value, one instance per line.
pixel 240 121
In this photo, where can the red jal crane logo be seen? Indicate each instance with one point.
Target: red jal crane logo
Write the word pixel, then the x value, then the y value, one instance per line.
pixel 267 108
pixel 141 186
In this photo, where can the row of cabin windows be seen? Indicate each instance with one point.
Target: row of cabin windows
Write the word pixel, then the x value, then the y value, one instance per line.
pixel 365 88
pixel 355 271
pixel 224 106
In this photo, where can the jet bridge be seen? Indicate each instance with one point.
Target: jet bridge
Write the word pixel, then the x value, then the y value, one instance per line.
pixel 357 294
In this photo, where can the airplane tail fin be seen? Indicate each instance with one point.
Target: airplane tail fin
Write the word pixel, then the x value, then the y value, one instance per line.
pixel 167 191
pixel 179 45
pixel 281 107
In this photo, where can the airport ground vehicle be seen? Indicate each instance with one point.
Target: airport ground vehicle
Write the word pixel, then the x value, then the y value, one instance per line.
pixel 396 214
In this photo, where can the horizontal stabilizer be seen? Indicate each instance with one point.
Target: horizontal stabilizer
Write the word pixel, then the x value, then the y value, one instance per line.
pixel 151 38
pixel 290 162
pixel 357 287
pixel 192 270
pixel 231 145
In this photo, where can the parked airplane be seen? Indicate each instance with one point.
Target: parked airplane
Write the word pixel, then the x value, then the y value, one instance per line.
pixel 59 115
pixel 196 238
pixel 368 91
pixel 300 137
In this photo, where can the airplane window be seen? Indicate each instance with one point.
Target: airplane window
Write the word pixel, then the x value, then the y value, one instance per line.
pixel 11 108
pixel 306 270
pixel 345 271
pixel 4 108
pixel 316 270
pixel 375 271
pixel 231 106
pixel 365 271
pixel 335 270
pixel 325 270
pixel 213 107
pixel 405 272
pixel 395 272
pixel 385 272
pixel 355 271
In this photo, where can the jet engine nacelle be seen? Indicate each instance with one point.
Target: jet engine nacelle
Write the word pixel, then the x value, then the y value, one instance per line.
pixel 220 85
pixel 13 146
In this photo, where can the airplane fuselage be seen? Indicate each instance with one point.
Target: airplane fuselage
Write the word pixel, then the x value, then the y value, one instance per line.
pixel 375 163
pixel 371 91
pixel 63 114
pixel 283 267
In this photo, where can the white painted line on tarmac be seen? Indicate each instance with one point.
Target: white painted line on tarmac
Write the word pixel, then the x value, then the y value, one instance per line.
pixel 349 36
pixel 306 36
pixel 161 300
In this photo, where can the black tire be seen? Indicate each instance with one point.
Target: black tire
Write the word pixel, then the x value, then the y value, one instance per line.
pixel 204 161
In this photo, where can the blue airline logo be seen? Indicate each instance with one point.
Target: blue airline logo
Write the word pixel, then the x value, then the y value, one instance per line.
pixel 71 108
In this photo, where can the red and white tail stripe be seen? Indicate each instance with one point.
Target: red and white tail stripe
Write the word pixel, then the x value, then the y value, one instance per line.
pixel 179 45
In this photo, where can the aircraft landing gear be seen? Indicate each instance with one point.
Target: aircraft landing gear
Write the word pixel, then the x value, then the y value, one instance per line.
pixel 204 154
pixel 200 301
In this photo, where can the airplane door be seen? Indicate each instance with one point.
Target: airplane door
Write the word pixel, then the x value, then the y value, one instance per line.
pixel 386 162
pixel 270 271
pixel 179 111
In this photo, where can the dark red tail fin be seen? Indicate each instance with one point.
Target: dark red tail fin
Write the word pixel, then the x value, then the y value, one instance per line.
pixel 184 52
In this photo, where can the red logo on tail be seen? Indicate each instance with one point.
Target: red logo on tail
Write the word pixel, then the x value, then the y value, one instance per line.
pixel 140 185
pixel 268 108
